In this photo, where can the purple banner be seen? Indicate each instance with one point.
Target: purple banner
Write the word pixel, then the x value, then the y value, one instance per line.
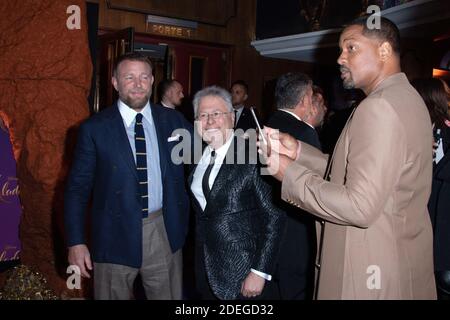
pixel 10 208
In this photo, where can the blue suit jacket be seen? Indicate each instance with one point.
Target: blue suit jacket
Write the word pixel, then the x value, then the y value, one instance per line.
pixel 104 167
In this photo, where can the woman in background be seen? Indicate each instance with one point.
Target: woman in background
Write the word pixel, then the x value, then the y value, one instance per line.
pixel 436 96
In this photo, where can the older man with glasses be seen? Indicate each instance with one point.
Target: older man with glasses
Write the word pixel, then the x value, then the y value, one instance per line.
pixel 238 229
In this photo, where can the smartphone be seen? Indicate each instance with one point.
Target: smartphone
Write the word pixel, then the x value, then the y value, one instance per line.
pixel 259 127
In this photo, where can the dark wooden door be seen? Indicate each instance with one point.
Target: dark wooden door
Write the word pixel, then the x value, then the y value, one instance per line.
pixel 111 46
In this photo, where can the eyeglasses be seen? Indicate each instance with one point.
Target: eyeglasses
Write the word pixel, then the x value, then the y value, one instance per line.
pixel 215 115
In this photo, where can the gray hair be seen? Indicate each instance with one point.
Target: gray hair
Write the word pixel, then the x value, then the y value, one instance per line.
pixel 290 89
pixel 212 91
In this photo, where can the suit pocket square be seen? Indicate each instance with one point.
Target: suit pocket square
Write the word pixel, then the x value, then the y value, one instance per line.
pixel 174 138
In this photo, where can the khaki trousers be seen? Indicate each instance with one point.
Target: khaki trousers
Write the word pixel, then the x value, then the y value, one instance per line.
pixel 161 270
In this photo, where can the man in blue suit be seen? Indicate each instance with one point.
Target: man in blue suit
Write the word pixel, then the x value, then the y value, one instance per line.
pixel 140 208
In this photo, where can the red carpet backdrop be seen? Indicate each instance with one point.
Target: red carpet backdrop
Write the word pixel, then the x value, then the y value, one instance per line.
pixel 10 209
pixel 45 77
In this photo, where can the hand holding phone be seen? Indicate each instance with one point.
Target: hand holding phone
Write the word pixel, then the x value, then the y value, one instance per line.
pixel 260 131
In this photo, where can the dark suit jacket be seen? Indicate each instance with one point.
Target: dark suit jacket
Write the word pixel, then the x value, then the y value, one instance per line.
pixel 104 166
pixel 246 120
pixel 287 123
pixel 295 269
pixel 185 109
pixel 240 228
pixel 439 207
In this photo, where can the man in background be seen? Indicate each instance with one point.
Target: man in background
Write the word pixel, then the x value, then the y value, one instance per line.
pixel 318 109
pixel 243 118
pixel 294 275
pixel 170 93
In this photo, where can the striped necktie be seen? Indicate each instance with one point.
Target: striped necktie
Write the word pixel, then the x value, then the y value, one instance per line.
pixel 141 162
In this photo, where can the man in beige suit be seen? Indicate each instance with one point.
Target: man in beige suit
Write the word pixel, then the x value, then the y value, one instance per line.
pixel 376 240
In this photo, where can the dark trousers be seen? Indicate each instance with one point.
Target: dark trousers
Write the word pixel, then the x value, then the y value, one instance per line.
pixel 443 284
pixel 294 274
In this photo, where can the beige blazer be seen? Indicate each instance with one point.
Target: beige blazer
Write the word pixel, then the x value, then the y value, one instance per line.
pixel 377 238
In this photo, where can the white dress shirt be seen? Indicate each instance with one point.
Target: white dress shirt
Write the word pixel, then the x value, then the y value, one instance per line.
pixel 155 190
pixel 238 113
pixel 439 149
pixel 167 106
pixel 196 185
